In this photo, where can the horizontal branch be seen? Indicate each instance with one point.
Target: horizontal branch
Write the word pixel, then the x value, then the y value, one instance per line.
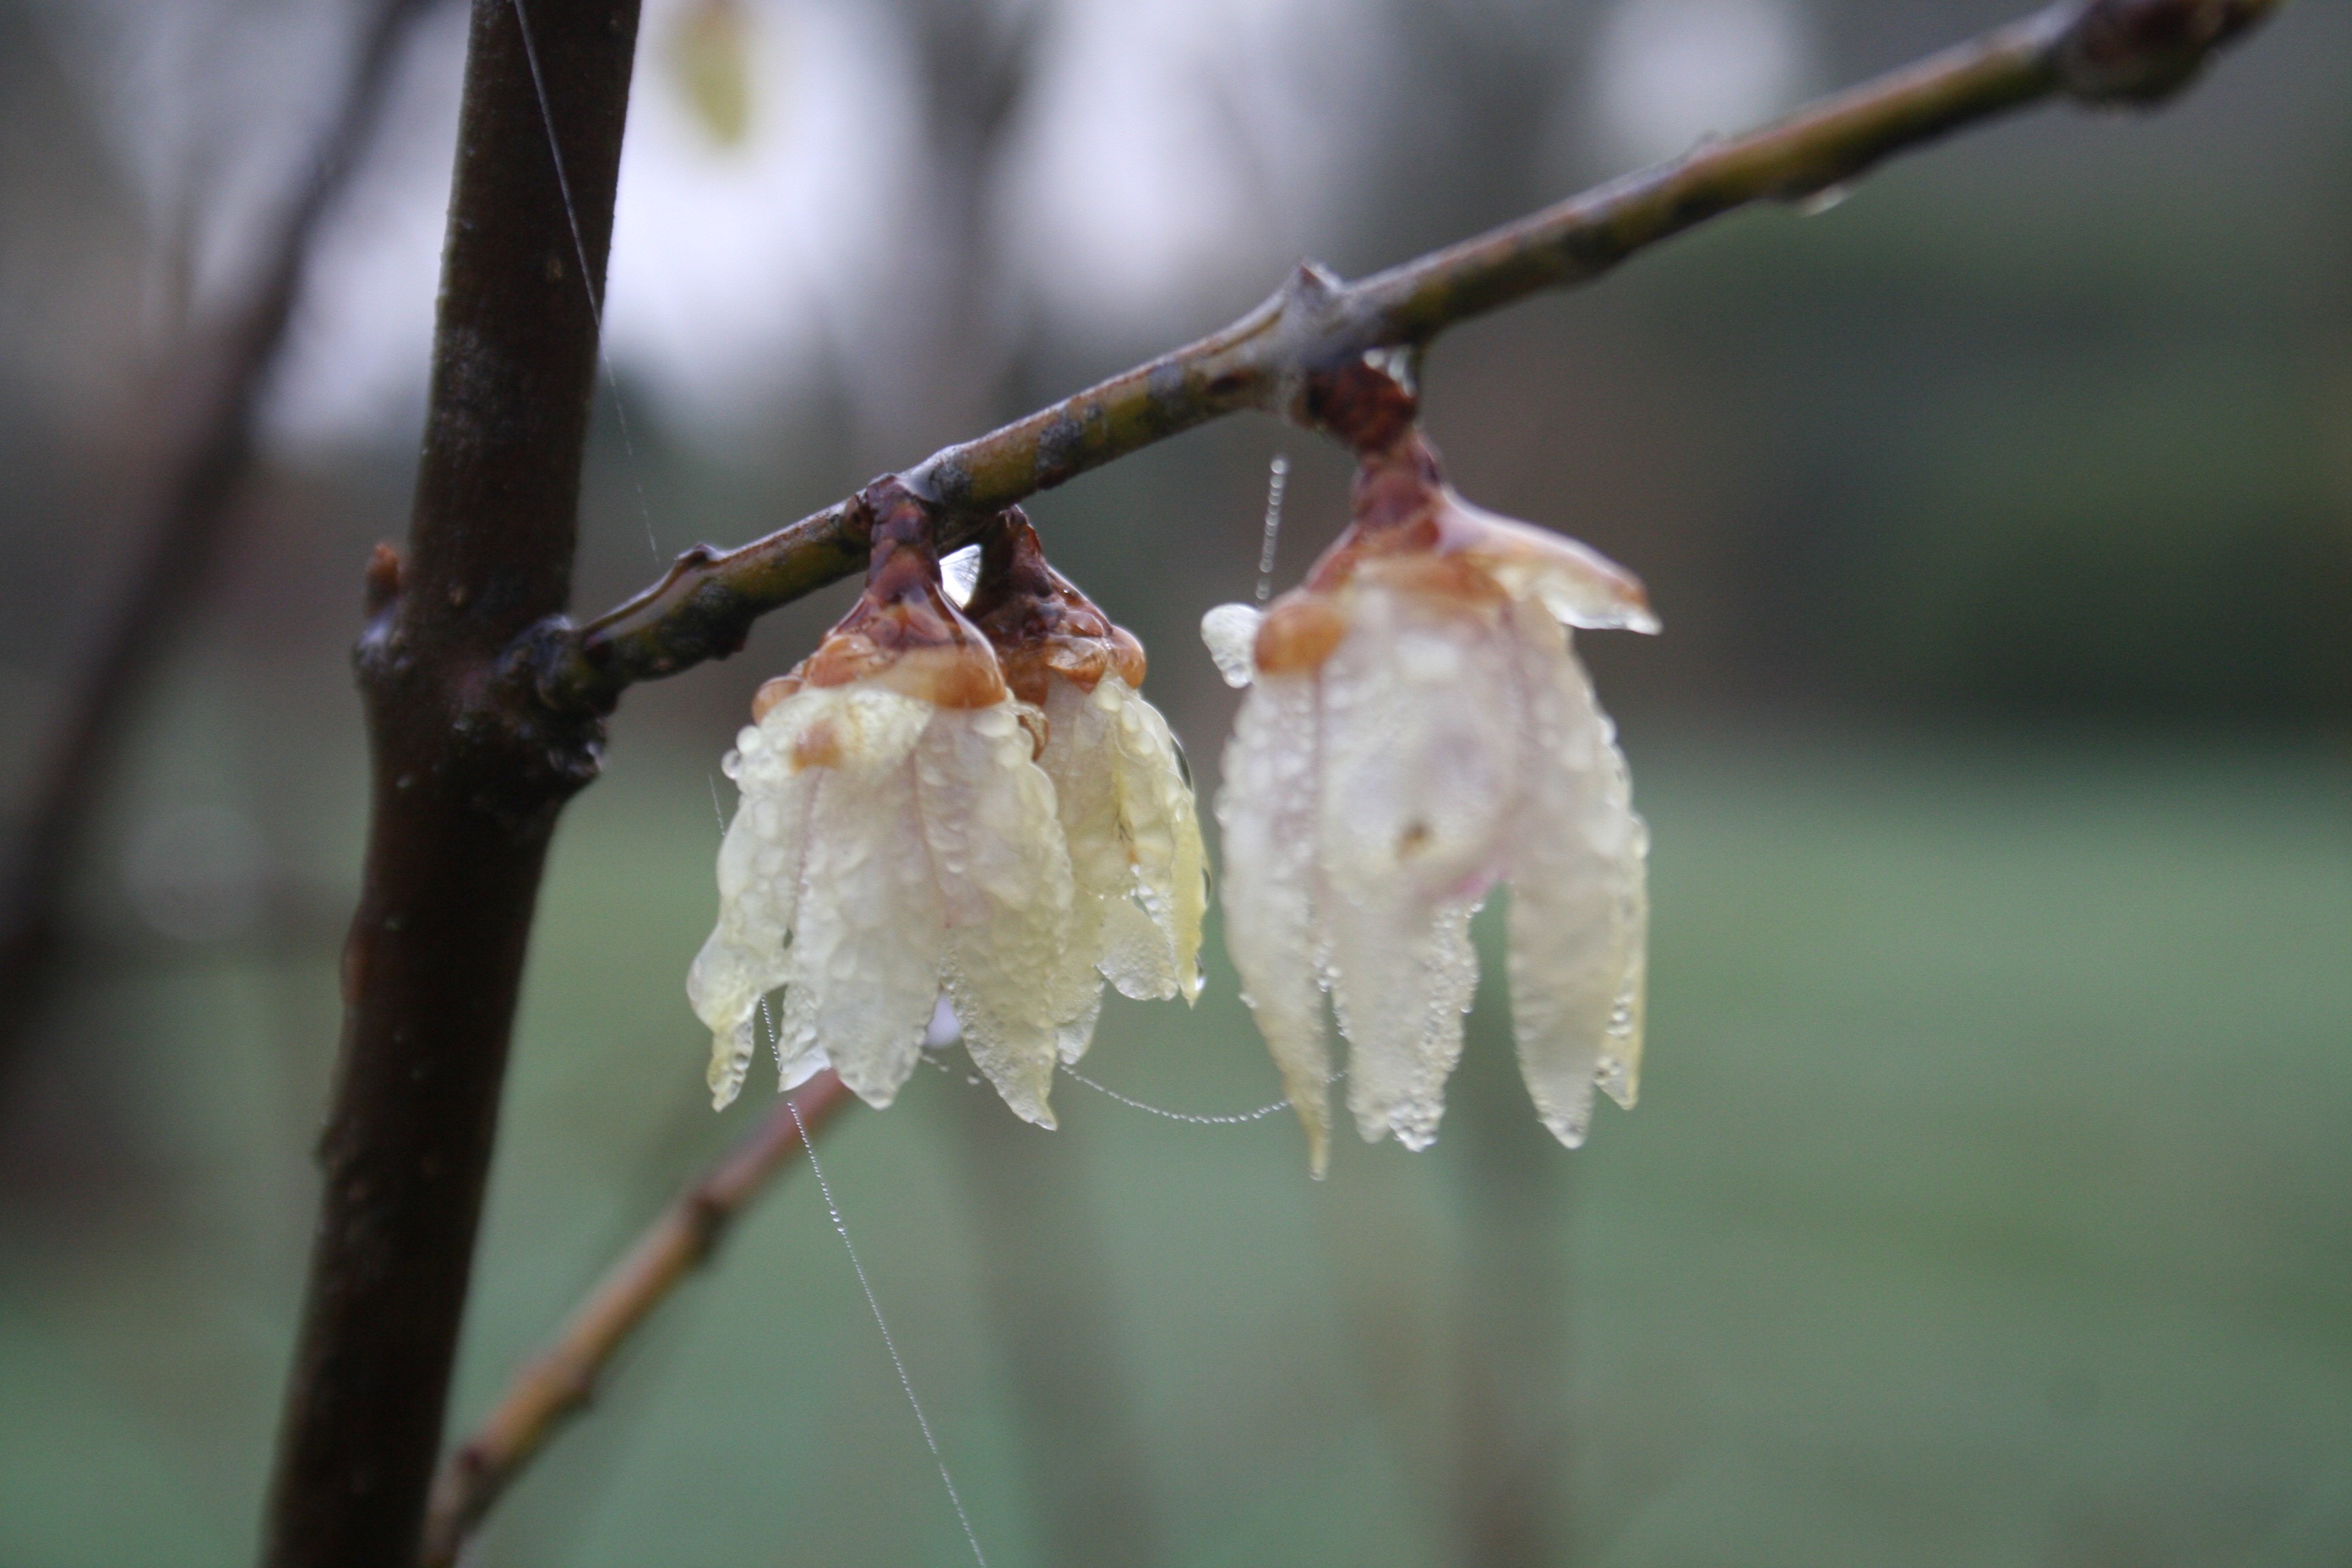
pixel 2093 51
pixel 557 1384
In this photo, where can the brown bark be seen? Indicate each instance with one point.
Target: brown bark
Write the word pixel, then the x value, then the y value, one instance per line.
pixel 468 778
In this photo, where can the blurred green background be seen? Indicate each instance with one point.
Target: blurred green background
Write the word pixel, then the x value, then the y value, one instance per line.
pixel 1990 1197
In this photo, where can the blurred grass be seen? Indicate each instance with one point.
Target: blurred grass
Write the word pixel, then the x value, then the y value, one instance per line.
pixel 1991 1202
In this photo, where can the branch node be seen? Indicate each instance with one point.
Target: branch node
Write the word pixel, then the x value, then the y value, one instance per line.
pixel 2141 52
pixel 382 580
pixel 1312 284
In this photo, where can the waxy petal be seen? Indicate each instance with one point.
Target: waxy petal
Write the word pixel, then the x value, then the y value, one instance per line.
pixel 1402 974
pixel 762 858
pixel 1012 971
pixel 1134 838
pixel 1085 793
pixel 871 933
pixel 759 863
pixel 1580 586
pixel 1580 901
pixel 1421 764
pixel 1161 829
pixel 1420 738
pixel 1266 809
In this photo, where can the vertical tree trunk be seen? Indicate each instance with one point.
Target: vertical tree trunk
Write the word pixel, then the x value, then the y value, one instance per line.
pixel 470 774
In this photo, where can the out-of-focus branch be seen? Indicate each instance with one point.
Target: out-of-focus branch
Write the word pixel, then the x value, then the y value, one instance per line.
pixel 2102 52
pixel 558 1382
pixel 190 509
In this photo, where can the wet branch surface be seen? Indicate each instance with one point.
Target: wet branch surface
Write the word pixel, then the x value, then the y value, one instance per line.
pixel 2100 52
pixel 558 1383
pixel 193 507
pixel 468 776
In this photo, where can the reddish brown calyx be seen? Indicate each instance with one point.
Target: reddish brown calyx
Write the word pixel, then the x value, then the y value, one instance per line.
pixel 1409 531
pixel 1397 533
pixel 1397 509
pixel 1367 403
pixel 904 631
pixel 1039 623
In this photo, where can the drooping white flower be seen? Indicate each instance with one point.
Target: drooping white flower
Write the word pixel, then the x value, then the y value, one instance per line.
pixel 895 838
pixel 1419 729
pixel 1125 807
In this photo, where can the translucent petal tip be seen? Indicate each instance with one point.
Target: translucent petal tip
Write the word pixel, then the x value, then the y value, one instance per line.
pixel 1580 586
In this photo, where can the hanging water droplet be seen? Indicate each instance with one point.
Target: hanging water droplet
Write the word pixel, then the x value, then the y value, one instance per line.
pixel 1827 199
pixel 1230 633
pixel 1277 477
pixel 959 571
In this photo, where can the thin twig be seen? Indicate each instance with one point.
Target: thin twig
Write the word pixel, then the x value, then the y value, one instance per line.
pixel 557 1384
pixel 2092 51
pixel 191 510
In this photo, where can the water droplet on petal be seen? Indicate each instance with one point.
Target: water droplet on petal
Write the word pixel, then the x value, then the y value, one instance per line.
pixel 1231 632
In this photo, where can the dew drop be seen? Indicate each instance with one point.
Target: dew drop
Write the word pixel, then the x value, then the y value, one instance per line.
pixel 1621 1017
pixel 1231 632
pixel 1827 199
pixel 959 572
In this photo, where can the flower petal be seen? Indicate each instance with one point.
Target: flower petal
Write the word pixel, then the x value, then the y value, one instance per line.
pixel 1016 979
pixel 1579 587
pixel 1421 767
pixel 866 951
pixel 1134 837
pixel 1421 746
pixel 1266 809
pixel 1402 976
pixel 1085 795
pixel 1580 901
pixel 1161 829
pixel 759 864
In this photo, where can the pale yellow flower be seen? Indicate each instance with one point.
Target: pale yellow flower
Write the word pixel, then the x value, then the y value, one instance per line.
pixel 1419 729
pixel 1125 805
pixel 896 837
